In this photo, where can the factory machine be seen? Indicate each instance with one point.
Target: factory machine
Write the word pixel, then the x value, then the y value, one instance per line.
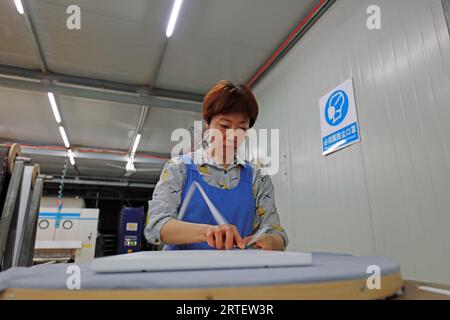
pixel 130 230
pixel 66 234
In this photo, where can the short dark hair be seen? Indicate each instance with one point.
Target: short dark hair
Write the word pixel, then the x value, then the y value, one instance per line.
pixel 226 97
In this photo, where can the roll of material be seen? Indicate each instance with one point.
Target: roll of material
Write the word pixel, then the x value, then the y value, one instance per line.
pixel 26 250
pixel 29 174
pixel 14 152
pixel 36 172
pixel 5 176
pixel 8 155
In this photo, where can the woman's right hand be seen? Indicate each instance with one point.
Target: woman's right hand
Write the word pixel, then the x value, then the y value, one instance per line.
pixel 224 237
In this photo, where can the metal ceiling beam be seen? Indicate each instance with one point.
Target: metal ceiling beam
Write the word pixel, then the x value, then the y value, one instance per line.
pixel 159 63
pixel 31 80
pixel 100 178
pixel 98 84
pixel 104 183
pixel 124 98
pixel 34 38
pixel 92 156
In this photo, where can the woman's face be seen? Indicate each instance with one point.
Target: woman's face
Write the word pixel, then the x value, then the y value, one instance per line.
pixel 232 129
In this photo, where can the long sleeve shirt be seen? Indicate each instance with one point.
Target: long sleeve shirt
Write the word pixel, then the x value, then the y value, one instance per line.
pixel 166 200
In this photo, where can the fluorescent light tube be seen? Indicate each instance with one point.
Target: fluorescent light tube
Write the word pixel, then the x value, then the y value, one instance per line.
pixel 51 97
pixel 19 6
pixel 136 143
pixel 72 159
pixel 64 136
pixel 173 17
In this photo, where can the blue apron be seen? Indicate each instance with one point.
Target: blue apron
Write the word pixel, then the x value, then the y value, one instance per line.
pixel 236 205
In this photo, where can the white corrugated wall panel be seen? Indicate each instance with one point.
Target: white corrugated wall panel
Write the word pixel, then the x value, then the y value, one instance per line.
pixel 390 194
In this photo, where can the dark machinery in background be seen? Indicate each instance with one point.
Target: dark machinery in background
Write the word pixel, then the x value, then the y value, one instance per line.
pixel 131 228
pixel 21 189
pixel 110 200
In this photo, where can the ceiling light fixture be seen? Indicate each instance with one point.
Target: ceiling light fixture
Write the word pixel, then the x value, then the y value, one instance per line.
pixel 64 136
pixel 71 157
pixel 136 143
pixel 51 97
pixel 19 6
pixel 173 17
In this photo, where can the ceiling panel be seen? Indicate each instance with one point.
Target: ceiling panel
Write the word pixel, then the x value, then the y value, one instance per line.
pixel 158 128
pixel 149 12
pixel 118 41
pixel 99 124
pixel 27 116
pixel 123 40
pixel 258 24
pixel 99 169
pixel 15 47
pixel 231 39
pixel 194 64
pixel 116 170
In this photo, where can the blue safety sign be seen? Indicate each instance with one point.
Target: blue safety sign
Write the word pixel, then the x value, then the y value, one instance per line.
pixel 338 118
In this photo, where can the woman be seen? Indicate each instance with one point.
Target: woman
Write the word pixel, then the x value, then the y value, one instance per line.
pixel 243 195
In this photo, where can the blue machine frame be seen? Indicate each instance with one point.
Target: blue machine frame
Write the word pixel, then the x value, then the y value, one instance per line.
pixel 130 230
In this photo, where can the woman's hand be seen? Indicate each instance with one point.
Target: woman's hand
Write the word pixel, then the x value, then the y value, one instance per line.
pixel 267 242
pixel 224 237
pixel 220 237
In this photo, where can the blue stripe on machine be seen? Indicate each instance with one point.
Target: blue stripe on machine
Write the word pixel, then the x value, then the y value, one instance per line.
pixel 66 218
pixel 72 216
pixel 52 214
